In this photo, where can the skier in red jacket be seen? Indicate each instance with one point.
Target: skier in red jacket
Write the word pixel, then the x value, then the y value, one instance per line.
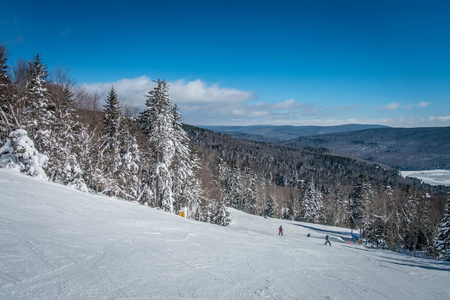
pixel 280 230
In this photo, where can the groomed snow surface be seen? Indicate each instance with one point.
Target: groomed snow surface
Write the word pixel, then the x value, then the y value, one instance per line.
pixel 59 243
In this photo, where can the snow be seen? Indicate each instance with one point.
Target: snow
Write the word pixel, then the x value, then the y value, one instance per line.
pixel 20 155
pixel 59 243
pixel 433 177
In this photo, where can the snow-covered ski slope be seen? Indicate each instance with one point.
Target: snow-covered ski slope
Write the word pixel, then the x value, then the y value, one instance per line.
pixel 58 243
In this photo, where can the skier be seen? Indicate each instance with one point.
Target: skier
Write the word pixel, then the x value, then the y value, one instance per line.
pixel 308 235
pixel 327 241
pixel 280 230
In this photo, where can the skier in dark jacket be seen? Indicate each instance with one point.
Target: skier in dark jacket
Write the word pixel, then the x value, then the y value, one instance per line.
pixel 327 241
pixel 280 230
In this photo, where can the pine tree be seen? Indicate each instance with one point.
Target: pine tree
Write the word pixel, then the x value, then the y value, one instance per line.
pixel 5 94
pixel 234 188
pixel 64 165
pixel 443 237
pixel 414 221
pixel 174 164
pixel 19 153
pixel 337 213
pixel 225 181
pixel 39 112
pixel 221 216
pixel 411 212
pixel 184 167
pixel 249 192
pixel 113 129
pixel 157 121
pixel 128 165
pixel 359 201
pixel 312 204
pixel 89 148
pixel 112 118
pixel 72 174
pixel 269 209
pixel 380 231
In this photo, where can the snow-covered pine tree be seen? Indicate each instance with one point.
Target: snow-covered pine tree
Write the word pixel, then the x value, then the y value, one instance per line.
pixel 270 205
pixel 312 204
pixel 5 87
pixel 423 238
pixel 127 165
pixel 184 167
pixel 64 164
pixel 89 148
pixel 361 195
pixel 19 153
pixel 224 180
pixel 72 174
pixel 157 121
pixel 174 165
pixel 413 221
pixel 337 212
pixel 368 218
pixel 381 231
pixel 249 192
pixel 411 209
pixel 234 187
pixel 443 237
pixel 39 112
pixel 112 119
pixel 62 137
pixel 102 183
pixel 288 211
pixel 220 214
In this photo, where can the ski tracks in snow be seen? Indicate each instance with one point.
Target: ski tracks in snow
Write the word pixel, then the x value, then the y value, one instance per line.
pixel 57 243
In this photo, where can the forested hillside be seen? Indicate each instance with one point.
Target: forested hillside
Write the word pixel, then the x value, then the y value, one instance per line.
pixel 51 128
pixel 400 148
pixel 279 134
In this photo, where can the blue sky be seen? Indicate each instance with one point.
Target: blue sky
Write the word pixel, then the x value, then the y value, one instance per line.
pixel 251 62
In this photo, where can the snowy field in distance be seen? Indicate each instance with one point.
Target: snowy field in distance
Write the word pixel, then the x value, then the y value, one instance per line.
pixel 59 243
pixel 433 177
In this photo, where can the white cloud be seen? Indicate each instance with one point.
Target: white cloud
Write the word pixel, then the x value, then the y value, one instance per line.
pixel 260 113
pixel 198 91
pixel 391 106
pixel 286 104
pixel 439 119
pixel 199 102
pixel 396 105
pixel 424 104
pixel 134 91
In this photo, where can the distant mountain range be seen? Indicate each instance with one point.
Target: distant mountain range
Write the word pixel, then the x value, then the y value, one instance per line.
pixel 277 134
pixel 401 148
